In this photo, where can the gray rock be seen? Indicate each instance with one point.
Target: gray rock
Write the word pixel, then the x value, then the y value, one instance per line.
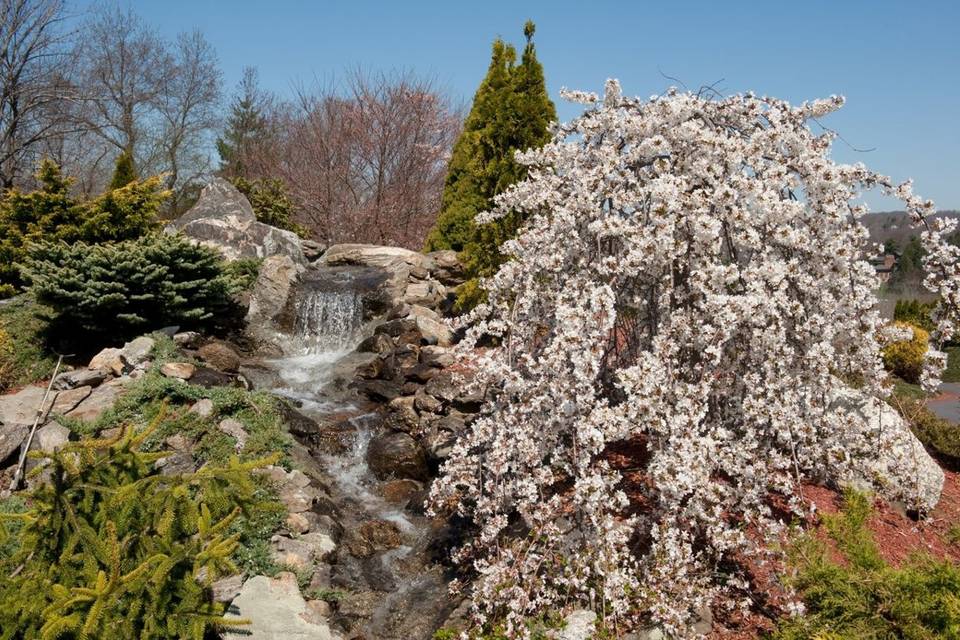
pixel 436 356
pixel 226 589
pixel 397 455
pixel 79 378
pixel 296 499
pixel 137 351
pixel 187 339
pixel 371 255
pixel 303 551
pixel 50 437
pixel 423 401
pixel 447 267
pixel 99 400
pixel 177 463
pixel 297 523
pixel 223 219
pixel 378 390
pixel 312 249
pixel 66 401
pixel 426 292
pixel 403 415
pixel 202 407
pixel 234 429
pixel 435 332
pixel 270 293
pixel 578 625
pixel 110 359
pixel 12 437
pixel 377 343
pixel 277 611
pixel 21 407
pixel 444 387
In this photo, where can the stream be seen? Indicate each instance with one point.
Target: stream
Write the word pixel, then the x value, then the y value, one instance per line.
pixel 398 592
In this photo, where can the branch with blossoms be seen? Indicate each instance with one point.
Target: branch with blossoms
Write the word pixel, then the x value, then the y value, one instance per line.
pixel 690 287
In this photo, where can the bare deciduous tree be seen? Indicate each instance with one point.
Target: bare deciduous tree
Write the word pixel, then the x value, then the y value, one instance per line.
pixel 35 87
pixel 187 106
pixel 125 67
pixel 365 163
pixel 148 97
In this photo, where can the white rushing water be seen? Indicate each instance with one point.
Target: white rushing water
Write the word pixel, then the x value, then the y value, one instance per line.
pixel 328 325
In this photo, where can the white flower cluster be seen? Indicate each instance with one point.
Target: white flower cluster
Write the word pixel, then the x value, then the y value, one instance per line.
pixel 689 283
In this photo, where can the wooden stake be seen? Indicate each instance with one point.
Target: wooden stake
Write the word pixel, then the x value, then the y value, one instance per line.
pixel 18 474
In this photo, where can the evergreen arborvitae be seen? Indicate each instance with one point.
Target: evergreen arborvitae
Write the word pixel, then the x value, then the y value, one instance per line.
pixel 511 111
pixel 124 171
pixel 270 203
pixel 246 125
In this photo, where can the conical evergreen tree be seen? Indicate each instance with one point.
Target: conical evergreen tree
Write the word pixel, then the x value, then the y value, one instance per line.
pixel 124 171
pixel 511 111
pixel 246 125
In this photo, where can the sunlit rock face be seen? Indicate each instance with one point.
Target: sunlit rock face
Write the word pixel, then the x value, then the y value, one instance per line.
pixel 223 219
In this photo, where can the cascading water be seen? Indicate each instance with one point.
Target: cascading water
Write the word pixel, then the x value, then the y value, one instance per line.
pixel 326 324
pixel 328 320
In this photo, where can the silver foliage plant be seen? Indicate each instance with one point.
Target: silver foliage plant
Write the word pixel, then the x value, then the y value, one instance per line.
pixel 690 284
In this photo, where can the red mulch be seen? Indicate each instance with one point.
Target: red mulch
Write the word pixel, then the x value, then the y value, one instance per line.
pixel 896 535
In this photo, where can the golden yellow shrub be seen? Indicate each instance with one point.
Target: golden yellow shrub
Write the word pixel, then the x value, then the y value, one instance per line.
pixel 905 358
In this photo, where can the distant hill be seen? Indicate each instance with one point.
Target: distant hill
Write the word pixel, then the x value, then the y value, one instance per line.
pixel 885 225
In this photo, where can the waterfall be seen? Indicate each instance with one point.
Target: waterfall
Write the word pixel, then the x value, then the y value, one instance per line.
pixel 328 320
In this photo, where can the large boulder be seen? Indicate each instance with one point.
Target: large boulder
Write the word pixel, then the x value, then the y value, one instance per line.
pixel 271 292
pixel 397 455
pixel 21 407
pixel 276 611
pixel 447 267
pixel 99 400
pixel 372 255
pixel 394 263
pixel 897 464
pixel 223 219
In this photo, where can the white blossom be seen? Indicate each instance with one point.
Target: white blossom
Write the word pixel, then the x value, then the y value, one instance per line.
pixel 689 285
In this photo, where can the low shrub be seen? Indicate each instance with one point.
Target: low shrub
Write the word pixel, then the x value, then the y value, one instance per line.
pixel 52 214
pixel 122 289
pixel 916 313
pixel 23 357
pixel 110 547
pixel 270 203
pixel 154 394
pixel 862 596
pixel 905 358
pixel 244 271
pixel 940 437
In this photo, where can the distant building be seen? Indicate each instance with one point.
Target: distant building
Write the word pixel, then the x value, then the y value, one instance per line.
pixel 884 264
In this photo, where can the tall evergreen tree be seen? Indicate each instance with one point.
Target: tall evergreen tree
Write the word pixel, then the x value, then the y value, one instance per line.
pixel 247 124
pixel 511 111
pixel 124 171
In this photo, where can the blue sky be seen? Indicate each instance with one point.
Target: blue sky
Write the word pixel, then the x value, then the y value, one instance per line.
pixel 897 63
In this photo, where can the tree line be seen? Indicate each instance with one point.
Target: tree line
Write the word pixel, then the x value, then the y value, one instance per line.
pixel 377 157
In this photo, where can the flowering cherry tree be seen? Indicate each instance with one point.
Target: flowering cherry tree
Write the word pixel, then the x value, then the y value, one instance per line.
pixel 690 287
